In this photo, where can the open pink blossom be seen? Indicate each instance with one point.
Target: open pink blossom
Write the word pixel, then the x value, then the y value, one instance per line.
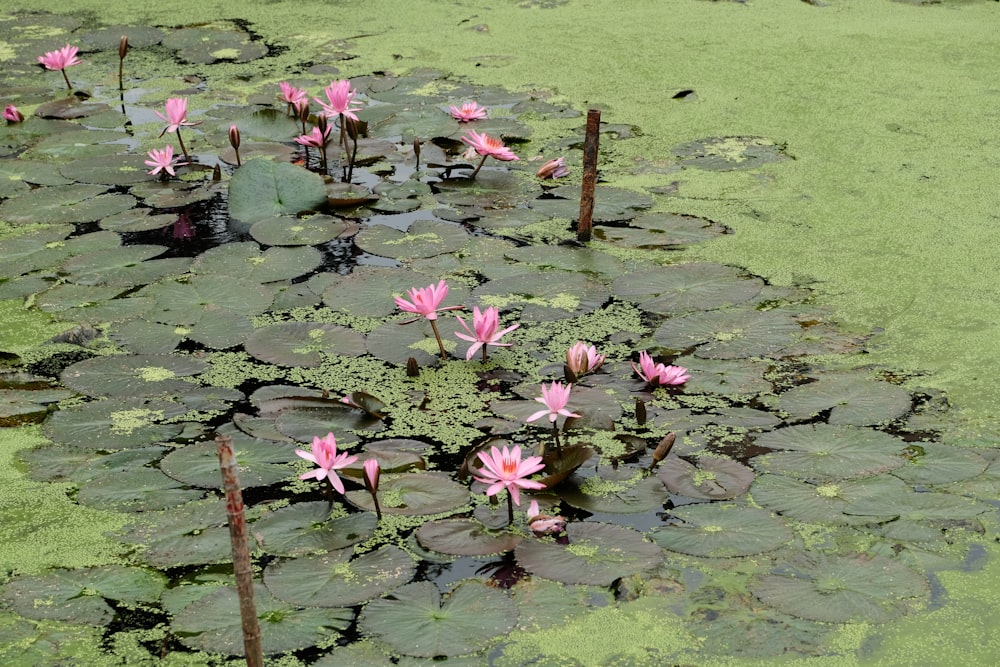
pixel 485 324
pixel 425 301
pixel 61 58
pixel 544 524
pixel 339 98
pixel 658 374
pixel 555 168
pixel 555 396
pixel 176 115
pixel 292 95
pixel 467 112
pixel 488 146
pixel 162 160
pixel 12 115
pixel 328 461
pixel 582 358
pixel 316 138
pixel 505 470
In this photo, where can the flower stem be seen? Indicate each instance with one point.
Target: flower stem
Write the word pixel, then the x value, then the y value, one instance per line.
pixel 555 436
pixel 444 355
pixel 183 147
pixel 378 508
pixel 66 79
pixel 484 353
pixel 510 508
pixel 480 166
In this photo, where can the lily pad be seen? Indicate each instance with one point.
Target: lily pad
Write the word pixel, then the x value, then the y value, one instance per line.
pixel 728 153
pixel 304 343
pixel 596 554
pixel 722 531
pixel 852 400
pixel 28 406
pixel 110 170
pixel 201 297
pixel 58 204
pixel 303 424
pixel 205 45
pixel 859 589
pixel 290 231
pixel 940 464
pixel 337 578
pixel 261 463
pixel 653 230
pixel 465 537
pixel 414 493
pixel 730 334
pixel 824 503
pixel 712 479
pixel 306 528
pixel 247 262
pixel 424 238
pixel 414 620
pixel 544 295
pixel 114 423
pixel 263 189
pixel 582 260
pixel 368 291
pixel 124 267
pixel 829 453
pixel 920 507
pixel 629 492
pixel 683 288
pixel 396 343
pixel 132 375
pixel 140 490
pixel 192 534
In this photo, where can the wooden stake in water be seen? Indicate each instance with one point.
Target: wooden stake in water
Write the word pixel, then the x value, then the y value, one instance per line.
pixel 590 144
pixel 241 552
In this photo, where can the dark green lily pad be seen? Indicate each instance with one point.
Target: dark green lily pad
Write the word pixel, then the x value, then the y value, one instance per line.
pixel 859 589
pixel 829 453
pixel 69 108
pixel 368 291
pixel 919 507
pixel 424 238
pixel 584 260
pixel 629 492
pixel 17 174
pixel 266 125
pixel 730 334
pixel 140 490
pixel 712 479
pixel 682 288
pixel 261 463
pixel 304 343
pixel 290 231
pixel 77 145
pixel 263 189
pixel 114 423
pixel 414 620
pixel 726 376
pixel 247 262
pixel 304 424
pixel 192 534
pixel 110 170
pixel 940 464
pixel 338 578
pixel 28 406
pixel 201 297
pixel 465 537
pixel 722 531
pixel 610 204
pixel 77 596
pixel 853 400
pixel 544 295
pixel 209 624
pixel 395 342
pixel 492 189
pixel 597 554
pixel 824 503
pixel 652 230
pixel 124 267
pixel 26 251
pixel 414 493
pixel 728 153
pixel 59 204
pixel 132 375
pixel 205 45
pixel 404 123
pixel 305 528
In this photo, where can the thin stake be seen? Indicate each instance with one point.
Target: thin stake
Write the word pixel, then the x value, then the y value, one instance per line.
pixel 589 182
pixel 241 552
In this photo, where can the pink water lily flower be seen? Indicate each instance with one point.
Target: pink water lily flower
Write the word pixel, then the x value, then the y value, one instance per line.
pixel 555 396
pixel 60 60
pixel 176 115
pixel 553 169
pixel 316 138
pixel 339 98
pixel 544 524
pixel 162 160
pixel 424 301
pixel 292 95
pixel 658 374
pixel 582 358
pixel 467 112
pixel 328 461
pixel 488 146
pixel 372 473
pixel 505 470
pixel 12 115
pixel 485 324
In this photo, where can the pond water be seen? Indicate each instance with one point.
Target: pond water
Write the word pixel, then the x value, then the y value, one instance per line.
pixel 815 504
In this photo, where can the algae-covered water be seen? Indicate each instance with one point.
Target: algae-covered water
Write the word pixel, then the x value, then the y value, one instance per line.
pixel 886 209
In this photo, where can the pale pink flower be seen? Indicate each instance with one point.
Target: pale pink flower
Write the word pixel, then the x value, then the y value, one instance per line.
pixel 328 461
pixel 486 145
pixel 339 97
pixel 553 169
pixel 505 470
pixel 658 374
pixel 467 112
pixel 162 160
pixel 12 115
pixel 292 95
pixel 372 474
pixel 60 59
pixel 582 358
pixel 544 524
pixel 554 396
pixel 425 301
pixel 485 324
pixel 316 138
pixel 176 115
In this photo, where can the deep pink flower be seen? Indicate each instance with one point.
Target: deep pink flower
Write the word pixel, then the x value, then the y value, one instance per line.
pixel 582 358
pixel 61 59
pixel 176 116
pixel 485 324
pixel 161 160
pixel 485 145
pixel 12 115
pixel 554 396
pixel 553 169
pixel 658 374
pixel 316 138
pixel 372 473
pixel 328 461
pixel 425 301
pixel 505 470
pixel 292 95
pixel 468 111
pixel 339 97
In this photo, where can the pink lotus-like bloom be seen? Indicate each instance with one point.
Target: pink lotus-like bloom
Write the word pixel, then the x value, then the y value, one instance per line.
pixel 316 138
pixel 372 474
pixel 292 95
pixel 12 115
pixel 328 461
pixel 61 59
pixel 467 112
pixel 658 374
pixel 505 470
pixel 582 358
pixel 176 115
pixel 544 524
pixel 486 145
pixel 162 160
pixel 485 324
pixel 555 396
pixel 553 169
pixel 425 301
pixel 339 97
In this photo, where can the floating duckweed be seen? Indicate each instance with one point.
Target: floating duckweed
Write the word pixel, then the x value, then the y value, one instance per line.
pixel 702 476
pixel 415 238
pixel 430 346
pixel 182 331
pixel 728 335
pixel 343 570
pixel 123 422
pixel 595 486
pixel 584 550
pixel 154 373
pixel 828 490
pixel 711 529
pixel 231 369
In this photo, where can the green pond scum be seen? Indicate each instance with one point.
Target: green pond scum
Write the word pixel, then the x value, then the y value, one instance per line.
pixel 842 153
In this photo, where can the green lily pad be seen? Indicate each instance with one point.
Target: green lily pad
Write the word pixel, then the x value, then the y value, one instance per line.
pixel 209 624
pixel 544 295
pixel 140 490
pixel 584 260
pixel 852 400
pixel 57 204
pixel 596 554
pixel 114 423
pixel 201 297
pixel 304 343
pixel 682 288
pixel 622 491
pixel 424 238
pixel 77 145
pixel 28 406
pixel 395 342
pixel 610 204
pixel 205 45
pixel 712 479
pixel 25 252
pixel 124 267
pixel 306 528
pixel 829 453
pixel 405 122
pixel 261 463
pixel 192 534
pixel 266 125
pixel 368 291
pixel 247 262
pixel 919 507
pixel 465 537
pixel 414 493
pixel 652 230
pixel 941 464
pixel 857 589
pixel 728 153
pixel 132 375
pixel 414 620
pixel 824 503
pixel 109 170
pixel 263 189
pixel 726 376
pixel 722 531
pixel 338 578
pixel 304 424
pixel 143 337
pixel 492 189
pixel 69 108
pixel 730 334
pixel 290 231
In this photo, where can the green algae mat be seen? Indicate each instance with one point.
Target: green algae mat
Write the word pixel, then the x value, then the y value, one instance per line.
pixel 793 222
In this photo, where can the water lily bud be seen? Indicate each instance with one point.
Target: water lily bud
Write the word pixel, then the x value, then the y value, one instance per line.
pixel 372 474
pixel 352 128
pixel 234 137
pixel 663 448
pixel 322 122
pixel 12 115
pixel 303 108
pixel 217 174
pixel 123 47
pixel 553 169
pixel 416 148
pixel 640 412
pixel 412 368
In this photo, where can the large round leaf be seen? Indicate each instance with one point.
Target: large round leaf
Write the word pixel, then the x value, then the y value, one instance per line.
pixel 730 334
pixel 132 375
pixel 414 493
pixel 263 189
pixel 712 479
pixel 685 287
pixel 114 423
pixel 261 463
pixel 304 343
pixel 722 531
pixel 291 231
pixel 544 295
pixel 246 261
pixel 396 342
pixel 852 400
pixel 828 453
pixel 192 534
pixel 424 238
pixel 198 298
pixel 464 537
pixel 306 528
pixel 653 230
pixel 630 492
pixel 824 503
pixel 138 490
pixel 931 463
pixel 369 290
